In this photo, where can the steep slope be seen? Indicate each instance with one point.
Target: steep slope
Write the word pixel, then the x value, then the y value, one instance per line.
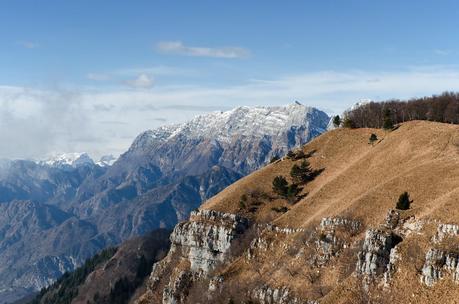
pixel 100 278
pixel 164 175
pixel 342 241
pixel 63 242
pixel 193 160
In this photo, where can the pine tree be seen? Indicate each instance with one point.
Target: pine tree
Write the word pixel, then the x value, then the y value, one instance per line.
pixel 403 202
pixel 302 173
pixel 388 123
pixel 290 154
pixel 280 186
pixel 292 192
pixel 274 159
pixel 373 138
pixel 336 121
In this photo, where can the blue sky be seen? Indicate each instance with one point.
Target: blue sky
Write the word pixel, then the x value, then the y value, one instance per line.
pixel 90 75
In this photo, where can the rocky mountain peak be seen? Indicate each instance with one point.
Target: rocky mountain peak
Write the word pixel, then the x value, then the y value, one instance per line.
pixel 73 159
pixel 243 121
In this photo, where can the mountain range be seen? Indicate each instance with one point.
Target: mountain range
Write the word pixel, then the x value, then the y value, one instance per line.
pixel 59 212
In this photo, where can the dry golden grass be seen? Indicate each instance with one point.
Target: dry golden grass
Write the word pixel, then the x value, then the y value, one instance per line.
pixel 362 181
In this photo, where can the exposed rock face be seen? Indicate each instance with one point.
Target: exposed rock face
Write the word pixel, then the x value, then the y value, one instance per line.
pixel 446 230
pixel 392 219
pixel 200 244
pixel 177 290
pixel 206 239
pixel 329 243
pixel 437 264
pixel 375 254
pixel 330 223
pixel 268 295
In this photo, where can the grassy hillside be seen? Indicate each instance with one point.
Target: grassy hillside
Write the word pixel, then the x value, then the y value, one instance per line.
pixel 359 181
pixel 363 180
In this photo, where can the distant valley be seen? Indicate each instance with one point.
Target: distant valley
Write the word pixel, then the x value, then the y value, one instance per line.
pixel 60 212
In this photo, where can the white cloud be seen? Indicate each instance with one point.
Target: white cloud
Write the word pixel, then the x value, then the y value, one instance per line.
pixel 160 70
pixel 442 52
pixel 37 122
pixel 28 44
pixel 177 47
pixel 143 81
pixel 98 76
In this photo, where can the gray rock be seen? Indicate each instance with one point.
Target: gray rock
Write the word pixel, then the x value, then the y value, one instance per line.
pixel 268 295
pixel 437 264
pixel 375 254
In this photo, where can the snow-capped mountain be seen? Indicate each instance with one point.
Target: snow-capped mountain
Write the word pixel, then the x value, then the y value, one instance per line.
pixel 106 160
pixel 254 122
pixel 74 159
pixel 76 207
pixel 278 128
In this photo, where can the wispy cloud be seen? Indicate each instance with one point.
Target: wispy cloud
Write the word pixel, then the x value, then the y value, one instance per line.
pixel 28 44
pixel 177 47
pixel 143 81
pixel 98 76
pixel 442 52
pixel 159 70
pixel 35 122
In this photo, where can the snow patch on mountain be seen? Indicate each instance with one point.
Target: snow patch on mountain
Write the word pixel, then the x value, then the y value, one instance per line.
pixel 74 159
pixel 106 160
pixel 250 122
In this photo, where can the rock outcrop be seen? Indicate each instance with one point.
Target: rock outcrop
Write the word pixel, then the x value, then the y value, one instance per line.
pixel 197 247
pixel 206 239
pixel 375 256
pixel 444 231
pixel 437 264
pixel 268 295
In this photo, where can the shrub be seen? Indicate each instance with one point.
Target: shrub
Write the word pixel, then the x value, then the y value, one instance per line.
pixel 373 138
pixel 274 159
pixel 336 121
pixel 348 123
pixel 403 202
pixel 302 173
pixel 290 154
pixel 282 209
pixel 280 186
pixel 300 154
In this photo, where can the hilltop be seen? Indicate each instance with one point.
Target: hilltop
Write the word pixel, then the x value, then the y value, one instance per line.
pixel 342 241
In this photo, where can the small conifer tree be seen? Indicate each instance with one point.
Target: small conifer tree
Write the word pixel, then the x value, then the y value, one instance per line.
pixel 290 154
pixel 280 186
pixel 336 121
pixel 302 173
pixel 388 123
pixel 274 159
pixel 373 138
pixel 292 192
pixel 403 202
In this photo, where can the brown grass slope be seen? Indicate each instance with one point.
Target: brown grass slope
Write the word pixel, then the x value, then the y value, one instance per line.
pixel 363 180
pixel 359 181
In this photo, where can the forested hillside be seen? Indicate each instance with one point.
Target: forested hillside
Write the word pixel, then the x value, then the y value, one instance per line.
pixel 439 108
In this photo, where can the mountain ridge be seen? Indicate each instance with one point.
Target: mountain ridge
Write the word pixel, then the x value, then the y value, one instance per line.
pixel 152 185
